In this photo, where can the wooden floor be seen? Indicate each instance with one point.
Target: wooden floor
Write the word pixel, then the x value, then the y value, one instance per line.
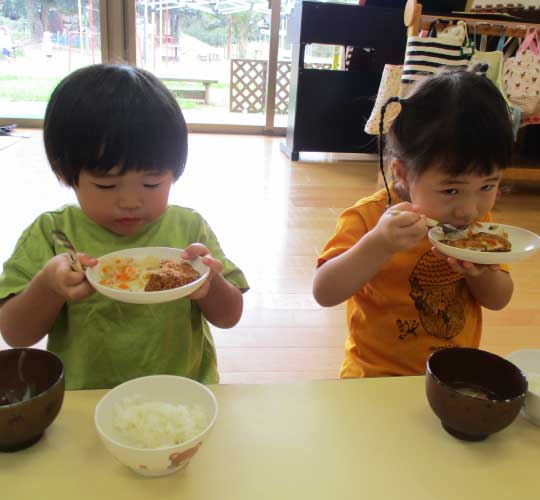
pixel 272 218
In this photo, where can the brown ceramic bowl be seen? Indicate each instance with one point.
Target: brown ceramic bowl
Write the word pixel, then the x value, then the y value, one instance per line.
pixel 473 392
pixel 28 406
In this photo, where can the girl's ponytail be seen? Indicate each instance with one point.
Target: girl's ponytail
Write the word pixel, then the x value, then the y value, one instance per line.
pixel 381 143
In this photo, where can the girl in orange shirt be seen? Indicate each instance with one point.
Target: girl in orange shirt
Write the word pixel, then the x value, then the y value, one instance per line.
pixel 448 148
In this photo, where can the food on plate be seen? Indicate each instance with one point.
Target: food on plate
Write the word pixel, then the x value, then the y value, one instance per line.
pixel 149 274
pixel 171 275
pixel 154 424
pixel 481 241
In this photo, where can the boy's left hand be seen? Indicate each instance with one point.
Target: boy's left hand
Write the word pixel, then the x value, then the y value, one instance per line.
pixel 464 267
pixel 216 267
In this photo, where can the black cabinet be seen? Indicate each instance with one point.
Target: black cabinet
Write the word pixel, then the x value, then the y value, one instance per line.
pixel 328 109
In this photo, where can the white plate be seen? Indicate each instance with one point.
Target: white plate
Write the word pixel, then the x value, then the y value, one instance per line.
pixel 94 273
pixel 524 244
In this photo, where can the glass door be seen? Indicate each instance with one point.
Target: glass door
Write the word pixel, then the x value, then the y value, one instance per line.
pixel 219 57
pixel 212 54
pixel 41 41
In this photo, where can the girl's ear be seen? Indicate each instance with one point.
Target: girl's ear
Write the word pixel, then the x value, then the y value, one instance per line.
pixel 400 173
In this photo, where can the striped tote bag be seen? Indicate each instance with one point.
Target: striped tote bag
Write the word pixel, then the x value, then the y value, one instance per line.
pixel 427 56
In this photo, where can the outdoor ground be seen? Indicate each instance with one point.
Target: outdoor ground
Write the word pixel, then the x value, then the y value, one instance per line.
pixel 26 82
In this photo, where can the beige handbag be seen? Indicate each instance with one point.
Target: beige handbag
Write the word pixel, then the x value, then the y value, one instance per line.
pixel 389 87
pixel 521 76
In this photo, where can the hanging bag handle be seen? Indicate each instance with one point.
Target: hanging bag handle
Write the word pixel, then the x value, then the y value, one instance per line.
pixel 468 48
pixel 510 47
pixel 502 40
pixel 475 39
pixel 530 42
pixel 536 43
pixel 432 31
pixel 483 38
pixel 466 39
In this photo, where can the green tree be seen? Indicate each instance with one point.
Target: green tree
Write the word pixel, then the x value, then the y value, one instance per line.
pixel 245 27
pixel 11 9
pixel 36 13
pixel 209 28
pixel 213 28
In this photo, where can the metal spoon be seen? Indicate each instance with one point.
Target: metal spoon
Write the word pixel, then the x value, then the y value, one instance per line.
pixel 447 228
pixel 28 391
pixel 63 240
pixel 11 396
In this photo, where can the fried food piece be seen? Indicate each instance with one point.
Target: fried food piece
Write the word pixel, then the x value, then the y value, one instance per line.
pixel 172 274
pixel 482 242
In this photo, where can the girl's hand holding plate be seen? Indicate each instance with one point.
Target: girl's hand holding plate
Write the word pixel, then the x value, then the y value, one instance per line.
pixel 464 267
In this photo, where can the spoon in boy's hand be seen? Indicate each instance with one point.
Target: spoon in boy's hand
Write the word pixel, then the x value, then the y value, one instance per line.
pixel 63 240
pixel 447 228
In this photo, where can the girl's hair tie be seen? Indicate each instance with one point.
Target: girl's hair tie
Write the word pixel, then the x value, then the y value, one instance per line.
pixel 390 100
pixel 480 69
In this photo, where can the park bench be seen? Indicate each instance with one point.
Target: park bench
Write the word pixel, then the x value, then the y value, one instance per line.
pixel 201 93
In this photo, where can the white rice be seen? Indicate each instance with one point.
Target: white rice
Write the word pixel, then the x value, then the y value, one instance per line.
pixel 155 424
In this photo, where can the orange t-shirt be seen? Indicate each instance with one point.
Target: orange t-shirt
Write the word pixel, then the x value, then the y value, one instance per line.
pixel 415 305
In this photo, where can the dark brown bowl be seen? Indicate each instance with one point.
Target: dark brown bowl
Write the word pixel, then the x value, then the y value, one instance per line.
pixel 473 392
pixel 22 420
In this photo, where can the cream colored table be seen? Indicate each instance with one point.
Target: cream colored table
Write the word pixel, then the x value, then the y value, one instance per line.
pixel 348 439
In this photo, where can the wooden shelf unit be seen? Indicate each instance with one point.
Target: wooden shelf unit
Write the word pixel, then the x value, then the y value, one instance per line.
pixel 415 21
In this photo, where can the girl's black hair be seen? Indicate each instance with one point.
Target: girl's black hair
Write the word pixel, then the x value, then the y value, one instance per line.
pixel 104 116
pixel 381 144
pixel 456 120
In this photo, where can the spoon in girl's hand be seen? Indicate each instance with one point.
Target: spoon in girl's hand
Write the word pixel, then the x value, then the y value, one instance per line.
pixel 447 228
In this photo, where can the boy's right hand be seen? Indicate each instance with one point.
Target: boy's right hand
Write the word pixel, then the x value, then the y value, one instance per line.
pixel 58 276
pixel 401 231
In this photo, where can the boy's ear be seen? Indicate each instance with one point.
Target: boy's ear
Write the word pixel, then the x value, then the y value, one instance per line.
pixel 400 172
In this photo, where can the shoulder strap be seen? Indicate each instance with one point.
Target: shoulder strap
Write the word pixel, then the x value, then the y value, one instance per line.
pixel 502 40
pixel 530 42
pixel 432 31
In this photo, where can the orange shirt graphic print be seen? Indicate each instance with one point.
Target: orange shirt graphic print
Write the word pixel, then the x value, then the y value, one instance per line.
pixel 440 296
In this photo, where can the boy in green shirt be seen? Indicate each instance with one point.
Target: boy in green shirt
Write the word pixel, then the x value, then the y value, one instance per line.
pixel 117 136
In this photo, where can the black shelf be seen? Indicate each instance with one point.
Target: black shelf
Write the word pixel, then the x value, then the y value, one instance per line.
pixel 328 109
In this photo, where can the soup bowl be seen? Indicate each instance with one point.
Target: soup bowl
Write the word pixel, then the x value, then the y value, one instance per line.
pixel 31 395
pixel 473 392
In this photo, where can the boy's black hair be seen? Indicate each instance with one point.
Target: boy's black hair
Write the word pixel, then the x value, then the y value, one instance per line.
pixel 456 120
pixel 104 116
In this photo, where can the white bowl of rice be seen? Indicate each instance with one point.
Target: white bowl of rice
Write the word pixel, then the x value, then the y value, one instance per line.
pixel 155 425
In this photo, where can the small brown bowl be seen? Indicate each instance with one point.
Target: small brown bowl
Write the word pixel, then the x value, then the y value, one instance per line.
pixel 473 392
pixel 31 395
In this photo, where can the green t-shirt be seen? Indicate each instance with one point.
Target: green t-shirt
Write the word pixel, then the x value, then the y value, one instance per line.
pixel 103 342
